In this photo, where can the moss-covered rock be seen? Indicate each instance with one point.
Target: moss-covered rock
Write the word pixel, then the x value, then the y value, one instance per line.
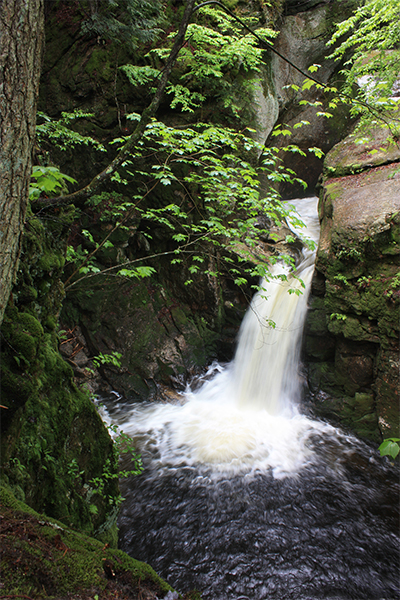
pixel 53 442
pixel 358 256
pixel 362 151
pixel 42 558
pixel 356 413
pixel 159 337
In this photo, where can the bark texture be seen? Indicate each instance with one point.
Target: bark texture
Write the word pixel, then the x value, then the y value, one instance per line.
pixel 21 45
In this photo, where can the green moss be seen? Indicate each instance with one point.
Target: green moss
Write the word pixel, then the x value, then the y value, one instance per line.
pixel 30 324
pixel 321 375
pixel 350 327
pixel 357 413
pixel 51 436
pixel 99 64
pixel 49 261
pixel 49 423
pixel 27 294
pixel 50 323
pixel 231 4
pixel 22 332
pixel 61 560
pixel 316 321
pixel 369 303
pixel 15 386
pixel 9 500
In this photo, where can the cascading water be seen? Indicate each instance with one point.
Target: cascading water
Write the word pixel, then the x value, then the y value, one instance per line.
pixel 243 495
pixel 246 416
pixel 264 372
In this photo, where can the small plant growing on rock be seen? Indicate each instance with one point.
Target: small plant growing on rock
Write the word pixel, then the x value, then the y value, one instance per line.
pixel 123 445
pixel 338 317
pixel 106 359
pixel 364 282
pixel 390 447
pixel 341 279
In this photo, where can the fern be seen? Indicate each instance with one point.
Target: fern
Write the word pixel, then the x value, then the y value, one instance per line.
pixel 129 22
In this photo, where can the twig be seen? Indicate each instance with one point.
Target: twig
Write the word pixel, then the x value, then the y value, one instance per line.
pixel 128 215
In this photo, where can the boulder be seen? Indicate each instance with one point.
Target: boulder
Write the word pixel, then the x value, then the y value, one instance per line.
pixel 160 339
pixel 360 151
pixel 358 256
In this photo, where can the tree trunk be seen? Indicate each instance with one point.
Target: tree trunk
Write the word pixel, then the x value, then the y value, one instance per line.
pixel 21 45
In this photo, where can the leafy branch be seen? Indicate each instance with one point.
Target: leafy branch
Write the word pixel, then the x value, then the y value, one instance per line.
pixel 83 194
pixel 98 247
pixel 221 204
pixel 381 14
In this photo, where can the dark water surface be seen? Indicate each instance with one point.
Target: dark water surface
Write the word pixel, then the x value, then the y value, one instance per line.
pixel 330 532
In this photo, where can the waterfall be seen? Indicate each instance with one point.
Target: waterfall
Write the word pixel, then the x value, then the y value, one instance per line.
pixel 245 416
pixel 264 373
pixel 244 497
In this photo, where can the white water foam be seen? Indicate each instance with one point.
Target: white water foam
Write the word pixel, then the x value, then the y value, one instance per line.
pixel 245 418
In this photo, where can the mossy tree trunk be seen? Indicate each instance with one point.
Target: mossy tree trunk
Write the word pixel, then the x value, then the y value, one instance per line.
pixel 21 39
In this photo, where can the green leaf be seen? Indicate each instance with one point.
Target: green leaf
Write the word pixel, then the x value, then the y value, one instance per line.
pixel 300 124
pixel 324 114
pixel 317 151
pixel 390 447
pixel 46 180
pixel 308 83
pixel 179 237
pixel 240 281
pixel 138 273
pixel 145 271
pixel 140 75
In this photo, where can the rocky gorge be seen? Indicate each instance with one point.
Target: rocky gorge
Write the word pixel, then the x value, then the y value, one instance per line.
pixel 54 444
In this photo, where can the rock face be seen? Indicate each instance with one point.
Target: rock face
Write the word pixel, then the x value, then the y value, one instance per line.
pixel 54 445
pixel 304 33
pixel 352 335
pixel 159 336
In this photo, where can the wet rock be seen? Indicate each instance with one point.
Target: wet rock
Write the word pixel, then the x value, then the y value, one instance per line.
pixel 159 339
pixel 266 107
pixel 387 391
pixel 358 258
pixel 355 363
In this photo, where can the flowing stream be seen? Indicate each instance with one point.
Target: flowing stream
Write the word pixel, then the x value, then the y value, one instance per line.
pixel 242 496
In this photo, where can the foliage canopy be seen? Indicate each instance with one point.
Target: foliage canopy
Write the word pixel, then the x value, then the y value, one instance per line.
pixel 371 53
pixel 131 22
pixel 217 63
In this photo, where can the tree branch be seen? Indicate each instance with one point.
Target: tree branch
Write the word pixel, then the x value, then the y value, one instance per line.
pixel 81 195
